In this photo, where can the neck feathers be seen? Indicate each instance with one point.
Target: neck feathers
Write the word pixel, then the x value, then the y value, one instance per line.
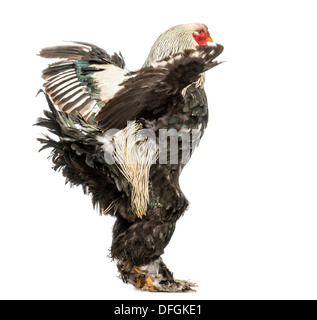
pixel 174 40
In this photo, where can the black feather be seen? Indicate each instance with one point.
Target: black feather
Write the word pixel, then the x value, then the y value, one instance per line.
pixel 155 89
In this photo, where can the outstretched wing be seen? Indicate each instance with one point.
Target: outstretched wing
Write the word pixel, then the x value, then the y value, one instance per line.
pixel 152 90
pixel 86 80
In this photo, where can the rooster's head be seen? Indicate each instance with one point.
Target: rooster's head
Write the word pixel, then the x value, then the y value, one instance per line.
pixel 177 39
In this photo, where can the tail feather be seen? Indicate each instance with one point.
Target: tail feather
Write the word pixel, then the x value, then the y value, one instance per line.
pixel 79 155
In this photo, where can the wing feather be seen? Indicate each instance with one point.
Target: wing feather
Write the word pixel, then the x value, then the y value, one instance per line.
pixel 153 90
pixel 81 83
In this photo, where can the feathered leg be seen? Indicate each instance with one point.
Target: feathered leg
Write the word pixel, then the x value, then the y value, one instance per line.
pixel 141 242
pixel 138 248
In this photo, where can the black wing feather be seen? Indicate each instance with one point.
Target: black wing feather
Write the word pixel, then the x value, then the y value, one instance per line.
pixel 85 51
pixel 154 88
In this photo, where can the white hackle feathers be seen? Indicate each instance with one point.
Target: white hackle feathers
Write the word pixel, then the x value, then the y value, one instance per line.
pixel 133 153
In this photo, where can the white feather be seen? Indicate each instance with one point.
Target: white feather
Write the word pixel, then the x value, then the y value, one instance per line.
pixel 109 80
pixel 133 154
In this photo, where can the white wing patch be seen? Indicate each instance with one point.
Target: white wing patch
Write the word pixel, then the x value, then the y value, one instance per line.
pixel 109 80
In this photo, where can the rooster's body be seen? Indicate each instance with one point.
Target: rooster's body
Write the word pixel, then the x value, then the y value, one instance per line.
pixel 95 95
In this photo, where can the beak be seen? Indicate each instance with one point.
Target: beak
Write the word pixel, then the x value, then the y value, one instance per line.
pixel 209 39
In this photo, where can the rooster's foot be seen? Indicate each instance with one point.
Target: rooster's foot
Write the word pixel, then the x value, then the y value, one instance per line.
pixel 154 277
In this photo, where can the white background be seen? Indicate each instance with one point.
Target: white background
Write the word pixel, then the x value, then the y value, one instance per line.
pixel 250 232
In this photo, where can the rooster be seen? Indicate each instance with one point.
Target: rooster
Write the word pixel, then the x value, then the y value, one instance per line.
pixel 110 123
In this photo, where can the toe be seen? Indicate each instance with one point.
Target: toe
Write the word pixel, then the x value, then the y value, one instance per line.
pixel 149 285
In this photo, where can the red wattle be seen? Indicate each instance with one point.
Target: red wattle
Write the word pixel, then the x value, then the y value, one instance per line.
pixel 201 40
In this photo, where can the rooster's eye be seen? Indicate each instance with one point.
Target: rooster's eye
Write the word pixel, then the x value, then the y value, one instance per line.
pixel 200 31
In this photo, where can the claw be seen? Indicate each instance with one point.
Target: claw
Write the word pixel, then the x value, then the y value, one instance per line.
pixel 149 285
